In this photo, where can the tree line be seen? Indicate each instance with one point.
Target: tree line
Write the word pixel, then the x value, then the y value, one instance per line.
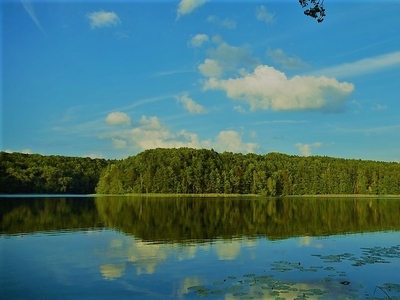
pixel 197 171
pixel 194 171
pixel 40 174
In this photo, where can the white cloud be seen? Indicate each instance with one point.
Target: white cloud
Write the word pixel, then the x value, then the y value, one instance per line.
pixel 119 144
pixel 190 105
pixel 210 68
pixel 305 149
pixel 239 108
pixel 371 130
pixel 263 15
pixel 31 12
pixel 94 155
pixel 212 18
pixel 268 88
pixel 199 39
pixel 24 151
pixel 232 141
pixel 118 118
pixel 187 6
pixel 229 57
pixel 227 23
pixel 363 66
pixel 170 72
pixel 99 19
pixel 380 107
pixel 282 122
pixel 150 133
pixel 289 62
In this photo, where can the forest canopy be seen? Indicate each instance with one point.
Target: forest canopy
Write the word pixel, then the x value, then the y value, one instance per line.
pixel 193 171
pixel 197 171
pixel 40 174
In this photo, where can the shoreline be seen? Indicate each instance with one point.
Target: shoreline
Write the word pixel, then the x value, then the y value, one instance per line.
pixel 248 195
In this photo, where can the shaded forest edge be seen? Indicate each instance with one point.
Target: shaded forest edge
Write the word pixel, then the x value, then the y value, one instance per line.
pixel 197 172
pixel 53 174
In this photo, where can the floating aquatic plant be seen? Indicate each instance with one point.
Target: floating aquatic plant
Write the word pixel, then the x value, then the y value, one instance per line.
pixel 335 284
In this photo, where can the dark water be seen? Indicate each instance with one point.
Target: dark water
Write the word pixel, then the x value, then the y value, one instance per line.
pixel 192 248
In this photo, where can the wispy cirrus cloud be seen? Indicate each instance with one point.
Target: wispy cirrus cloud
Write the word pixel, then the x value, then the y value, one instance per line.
pixel 282 122
pixel 370 130
pixel 31 12
pixel 101 18
pixel 363 66
pixel 170 72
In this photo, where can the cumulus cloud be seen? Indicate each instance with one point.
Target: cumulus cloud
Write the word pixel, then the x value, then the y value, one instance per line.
pixel 99 19
pixel 151 133
pixel 187 6
pixel 118 118
pixel 267 88
pixel 24 151
pixel 305 149
pixel 227 23
pixel 199 39
pixel 263 15
pixel 119 144
pixel 289 62
pixel 190 105
pixel 210 68
pixel 229 57
pixel 232 141
pixel 94 155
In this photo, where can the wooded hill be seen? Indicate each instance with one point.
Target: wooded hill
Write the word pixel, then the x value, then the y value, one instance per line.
pixel 39 174
pixel 192 171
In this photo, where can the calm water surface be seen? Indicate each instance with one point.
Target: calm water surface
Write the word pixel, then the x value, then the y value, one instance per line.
pixel 192 248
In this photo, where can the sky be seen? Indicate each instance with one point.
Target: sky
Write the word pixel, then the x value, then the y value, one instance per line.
pixel 110 79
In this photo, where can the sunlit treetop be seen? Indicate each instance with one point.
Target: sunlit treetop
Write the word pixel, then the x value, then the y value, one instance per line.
pixel 316 9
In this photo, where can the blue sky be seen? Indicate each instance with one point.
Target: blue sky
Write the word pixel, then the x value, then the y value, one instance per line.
pixel 113 78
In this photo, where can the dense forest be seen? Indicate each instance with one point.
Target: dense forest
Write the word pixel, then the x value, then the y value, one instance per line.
pixel 192 171
pixel 39 174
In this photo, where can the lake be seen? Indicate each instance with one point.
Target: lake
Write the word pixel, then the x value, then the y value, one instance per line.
pixel 120 247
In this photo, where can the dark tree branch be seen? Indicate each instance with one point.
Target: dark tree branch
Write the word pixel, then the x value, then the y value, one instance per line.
pixel 316 9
